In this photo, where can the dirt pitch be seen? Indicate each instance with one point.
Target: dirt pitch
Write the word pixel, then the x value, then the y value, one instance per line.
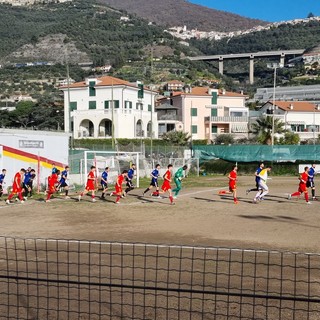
pixel 200 217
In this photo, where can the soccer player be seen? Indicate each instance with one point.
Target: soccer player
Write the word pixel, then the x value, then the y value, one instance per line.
pixel 104 182
pixel 262 188
pixel 310 182
pixel 177 179
pixel 91 184
pixel 53 184
pixel 154 182
pixel 166 186
pixel 129 179
pixel 54 169
pixel 118 185
pixel 28 182
pixel 17 186
pixel 2 176
pixel 63 181
pixel 257 178
pixel 302 186
pixel 232 184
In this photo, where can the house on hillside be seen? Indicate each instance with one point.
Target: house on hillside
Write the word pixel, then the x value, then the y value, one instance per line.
pixel 174 85
pixel 301 117
pixel 204 112
pixel 97 105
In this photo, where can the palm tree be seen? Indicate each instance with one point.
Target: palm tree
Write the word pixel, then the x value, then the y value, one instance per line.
pixel 262 128
pixel 179 138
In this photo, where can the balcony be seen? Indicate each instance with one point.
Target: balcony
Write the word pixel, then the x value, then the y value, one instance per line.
pixel 168 116
pixel 227 119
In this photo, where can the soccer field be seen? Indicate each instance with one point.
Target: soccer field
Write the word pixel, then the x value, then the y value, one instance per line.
pixel 201 265
pixel 200 217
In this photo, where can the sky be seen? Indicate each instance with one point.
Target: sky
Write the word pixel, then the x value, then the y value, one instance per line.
pixel 268 10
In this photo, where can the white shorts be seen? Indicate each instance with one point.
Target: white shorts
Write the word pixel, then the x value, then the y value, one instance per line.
pixel 263 186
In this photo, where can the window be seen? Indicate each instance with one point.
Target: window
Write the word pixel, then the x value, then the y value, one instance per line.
pixel 116 104
pixel 139 106
pixel 214 112
pixel 128 104
pixel 194 112
pixel 214 129
pixel 149 107
pixel 73 106
pixel 214 98
pixel 92 105
pixel 106 104
pixel 194 129
pixel 92 89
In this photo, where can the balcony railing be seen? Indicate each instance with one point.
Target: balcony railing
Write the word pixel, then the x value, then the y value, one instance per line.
pixel 228 119
pixel 167 117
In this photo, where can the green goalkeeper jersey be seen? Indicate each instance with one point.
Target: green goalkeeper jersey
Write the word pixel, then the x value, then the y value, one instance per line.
pixel 179 174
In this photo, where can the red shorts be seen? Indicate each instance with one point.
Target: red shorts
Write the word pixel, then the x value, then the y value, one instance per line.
pixel 302 187
pixel 232 186
pixel 118 189
pixel 166 186
pixel 16 189
pixel 90 186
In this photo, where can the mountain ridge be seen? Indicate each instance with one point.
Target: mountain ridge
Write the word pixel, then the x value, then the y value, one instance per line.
pixel 181 12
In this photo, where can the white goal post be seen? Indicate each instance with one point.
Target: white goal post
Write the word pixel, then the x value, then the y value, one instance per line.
pixel 116 161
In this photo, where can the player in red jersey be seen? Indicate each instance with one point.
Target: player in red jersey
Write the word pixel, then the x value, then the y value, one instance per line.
pixel 17 186
pixel 302 186
pixel 232 184
pixel 91 184
pixel 53 184
pixel 166 186
pixel 118 186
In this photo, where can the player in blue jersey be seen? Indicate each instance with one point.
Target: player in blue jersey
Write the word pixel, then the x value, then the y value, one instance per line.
pixel 63 181
pixel 257 178
pixel 154 182
pixel 129 178
pixel 310 182
pixel 104 182
pixel 2 176
pixel 28 182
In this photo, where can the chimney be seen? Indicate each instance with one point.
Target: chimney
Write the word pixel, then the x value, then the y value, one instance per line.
pixel 223 91
pixel 290 106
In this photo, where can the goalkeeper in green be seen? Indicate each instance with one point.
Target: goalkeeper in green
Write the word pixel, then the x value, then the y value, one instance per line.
pixel 177 179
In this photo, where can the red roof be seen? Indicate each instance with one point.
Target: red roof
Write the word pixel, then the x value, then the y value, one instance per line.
pixel 296 106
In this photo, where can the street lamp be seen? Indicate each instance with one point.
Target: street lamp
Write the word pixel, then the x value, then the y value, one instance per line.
pixel 274 66
pixel 317 107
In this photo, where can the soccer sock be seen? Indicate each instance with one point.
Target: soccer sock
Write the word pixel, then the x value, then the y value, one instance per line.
pixel 222 192
pixel 171 199
pixel 145 191
pixel 49 195
pixel 306 196
pixel 313 193
pixel 296 194
pixel 10 196
pixel 67 191
pixel 118 198
pixel 20 196
pixel 92 196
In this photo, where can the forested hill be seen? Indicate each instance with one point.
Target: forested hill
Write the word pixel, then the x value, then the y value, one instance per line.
pixel 76 31
pixel 285 36
pixel 181 12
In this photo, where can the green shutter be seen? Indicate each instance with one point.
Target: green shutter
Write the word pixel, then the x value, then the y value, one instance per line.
pixel 116 104
pixel 214 112
pixel 92 89
pixel 149 107
pixel 214 129
pixel 194 112
pixel 73 106
pixel 106 104
pixel 214 98
pixel 92 105
pixel 130 104
pixel 194 129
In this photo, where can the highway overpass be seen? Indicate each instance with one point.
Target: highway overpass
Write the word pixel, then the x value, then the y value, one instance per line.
pixel 251 56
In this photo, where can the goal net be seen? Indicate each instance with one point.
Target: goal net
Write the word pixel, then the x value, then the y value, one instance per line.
pixel 116 161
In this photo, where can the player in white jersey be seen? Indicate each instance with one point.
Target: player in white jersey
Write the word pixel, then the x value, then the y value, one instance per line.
pixel 263 188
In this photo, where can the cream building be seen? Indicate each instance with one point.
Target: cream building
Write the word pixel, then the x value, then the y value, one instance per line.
pixel 205 113
pixel 97 103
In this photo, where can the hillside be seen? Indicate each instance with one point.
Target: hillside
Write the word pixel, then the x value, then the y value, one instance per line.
pixel 180 12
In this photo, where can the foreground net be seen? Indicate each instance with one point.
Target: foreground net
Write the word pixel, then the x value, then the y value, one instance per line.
pixel 63 279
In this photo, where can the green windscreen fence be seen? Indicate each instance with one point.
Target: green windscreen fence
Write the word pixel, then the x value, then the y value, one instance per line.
pixel 254 153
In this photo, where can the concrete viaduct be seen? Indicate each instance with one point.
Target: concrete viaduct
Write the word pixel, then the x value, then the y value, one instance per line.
pixel 251 55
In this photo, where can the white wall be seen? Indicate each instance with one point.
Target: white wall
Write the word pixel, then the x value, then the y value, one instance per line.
pixel 35 149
